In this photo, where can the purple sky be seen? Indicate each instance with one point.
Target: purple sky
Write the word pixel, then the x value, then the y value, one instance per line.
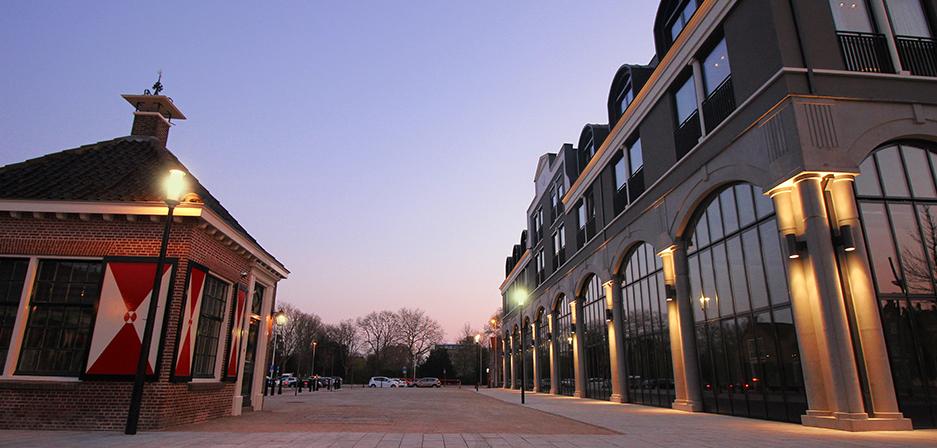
pixel 384 151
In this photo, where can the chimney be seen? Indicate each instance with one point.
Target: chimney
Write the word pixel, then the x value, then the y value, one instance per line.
pixel 153 115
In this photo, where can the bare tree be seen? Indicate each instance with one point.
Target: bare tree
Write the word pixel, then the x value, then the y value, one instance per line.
pixel 418 333
pixel 917 263
pixel 379 330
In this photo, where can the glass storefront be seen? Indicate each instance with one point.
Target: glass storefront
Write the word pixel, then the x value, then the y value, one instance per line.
pixel 564 347
pixel 543 351
pixel 748 355
pixel 897 200
pixel 595 344
pixel 649 368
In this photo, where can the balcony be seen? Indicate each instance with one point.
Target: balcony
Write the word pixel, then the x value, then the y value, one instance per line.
pixel 687 135
pixel 918 55
pixel 865 52
pixel 719 105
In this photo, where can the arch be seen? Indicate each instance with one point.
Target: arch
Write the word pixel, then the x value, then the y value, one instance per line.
pixel 558 302
pixel 666 13
pixel 619 263
pixel 702 190
pixel 882 134
pixel 584 283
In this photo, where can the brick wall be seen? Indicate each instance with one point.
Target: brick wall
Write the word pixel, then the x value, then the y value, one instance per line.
pixel 103 405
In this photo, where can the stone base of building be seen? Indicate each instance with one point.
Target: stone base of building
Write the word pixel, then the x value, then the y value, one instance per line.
pixel 579 394
pixel 617 398
pixel 858 422
pixel 687 406
pixel 237 405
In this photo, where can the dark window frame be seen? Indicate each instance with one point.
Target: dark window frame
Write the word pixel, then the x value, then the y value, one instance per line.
pixel 213 313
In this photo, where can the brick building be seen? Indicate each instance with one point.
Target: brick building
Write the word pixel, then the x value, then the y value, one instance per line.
pixel 80 232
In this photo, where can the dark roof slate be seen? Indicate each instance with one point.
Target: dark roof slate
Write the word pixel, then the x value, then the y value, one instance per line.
pixel 125 169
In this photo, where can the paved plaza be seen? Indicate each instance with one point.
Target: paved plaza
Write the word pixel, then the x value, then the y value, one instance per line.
pixel 446 418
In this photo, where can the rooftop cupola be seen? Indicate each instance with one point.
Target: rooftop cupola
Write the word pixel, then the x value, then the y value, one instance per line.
pixel 153 113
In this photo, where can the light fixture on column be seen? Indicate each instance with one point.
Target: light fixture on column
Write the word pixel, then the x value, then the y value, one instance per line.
pixel 569 339
pixel 794 246
pixel 549 336
pixel 670 292
pixel 609 316
pixel 572 328
pixel 846 238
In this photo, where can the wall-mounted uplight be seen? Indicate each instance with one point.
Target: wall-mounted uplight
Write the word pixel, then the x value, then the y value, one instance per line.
pixel 569 339
pixel 609 316
pixel 670 292
pixel 572 328
pixel 549 336
pixel 794 246
pixel 846 238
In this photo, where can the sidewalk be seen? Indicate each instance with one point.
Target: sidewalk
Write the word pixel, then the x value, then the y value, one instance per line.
pixel 646 426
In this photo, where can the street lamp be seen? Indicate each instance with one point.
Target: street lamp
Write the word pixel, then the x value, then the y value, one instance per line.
pixel 173 187
pixel 314 345
pixel 280 319
pixel 478 339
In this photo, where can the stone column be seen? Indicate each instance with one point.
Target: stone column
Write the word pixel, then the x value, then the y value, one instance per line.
pixel 864 303
pixel 834 393
pixel 513 362
pixel 579 358
pixel 554 367
pixel 616 348
pixel 682 330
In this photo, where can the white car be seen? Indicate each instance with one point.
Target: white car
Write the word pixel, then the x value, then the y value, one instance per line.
pixel 383 381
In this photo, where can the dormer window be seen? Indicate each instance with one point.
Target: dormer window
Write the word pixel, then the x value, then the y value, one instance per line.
pixel 625 97
pixel 682 18
pixel 590 149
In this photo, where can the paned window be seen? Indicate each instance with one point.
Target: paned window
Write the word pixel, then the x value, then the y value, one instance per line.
pixel 621 173
pixel 636 157
pixel 685 98
pixel 595 344
pixel 716 67
pixel 211 319
pixel 682 18
pixel 852 15
pixel 564 347
pixel 908 18
pixel 625 97
pixel 61 315
pixel 12 277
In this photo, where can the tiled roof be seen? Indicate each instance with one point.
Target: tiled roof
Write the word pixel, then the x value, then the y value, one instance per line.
pixel 126 169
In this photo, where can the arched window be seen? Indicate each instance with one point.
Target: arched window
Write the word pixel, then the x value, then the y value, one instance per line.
pixel 897 201
pixel 563 336
pixel 595 340
pixel 646 334
pixel 543 350
pixel 748 356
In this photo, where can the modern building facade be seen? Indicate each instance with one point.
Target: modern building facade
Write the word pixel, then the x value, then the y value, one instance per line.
pixel 80 233
pixel 752 232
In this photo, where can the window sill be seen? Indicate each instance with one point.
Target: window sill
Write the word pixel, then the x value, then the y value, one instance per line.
pixel 45 384
pixel 208 385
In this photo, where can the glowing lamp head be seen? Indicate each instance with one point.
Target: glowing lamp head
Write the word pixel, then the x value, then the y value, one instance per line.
pixel 478 338
pixel 520 296
pixel 174 186
pixel 280 318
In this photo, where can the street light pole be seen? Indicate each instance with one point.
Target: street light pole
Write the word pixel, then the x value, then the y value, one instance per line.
pixel 174 185
pixel 523 362
pixel 314 344
pixel 478 339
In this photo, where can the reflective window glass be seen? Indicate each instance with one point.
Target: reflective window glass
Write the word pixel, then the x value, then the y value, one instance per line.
pixel 716 67
pixel 908 18
pixel 636 157
pixel 893 177
pixel 851 15
pixel 685 98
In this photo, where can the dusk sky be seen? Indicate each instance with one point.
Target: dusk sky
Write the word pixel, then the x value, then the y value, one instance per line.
pixel 383 151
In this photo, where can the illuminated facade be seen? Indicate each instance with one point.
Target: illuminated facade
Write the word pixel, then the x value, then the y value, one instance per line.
pixel 753 232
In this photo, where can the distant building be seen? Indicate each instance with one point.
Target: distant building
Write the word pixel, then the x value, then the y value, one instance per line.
pixel 80 231
pixel 752 233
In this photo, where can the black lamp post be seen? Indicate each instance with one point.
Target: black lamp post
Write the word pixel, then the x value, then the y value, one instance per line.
pixel 174 185
pixel 478 339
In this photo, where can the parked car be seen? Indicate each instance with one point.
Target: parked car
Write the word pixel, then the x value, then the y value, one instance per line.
pixel 289 380
pixel 382 381
pixel 337 382
pixel 428 382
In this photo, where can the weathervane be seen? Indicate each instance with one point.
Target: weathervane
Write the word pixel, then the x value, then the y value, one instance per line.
pixel 157 86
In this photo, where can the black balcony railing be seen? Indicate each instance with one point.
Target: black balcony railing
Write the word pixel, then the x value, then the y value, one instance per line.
pixel 636 185
pixel 687 135
pixel 865 52
pixel 918 55
pixel 590 229
pixel 719 105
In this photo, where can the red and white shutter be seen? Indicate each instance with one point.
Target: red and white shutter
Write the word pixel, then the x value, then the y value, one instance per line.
pixel 122 312
pixel 190 314
pixel 237 327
